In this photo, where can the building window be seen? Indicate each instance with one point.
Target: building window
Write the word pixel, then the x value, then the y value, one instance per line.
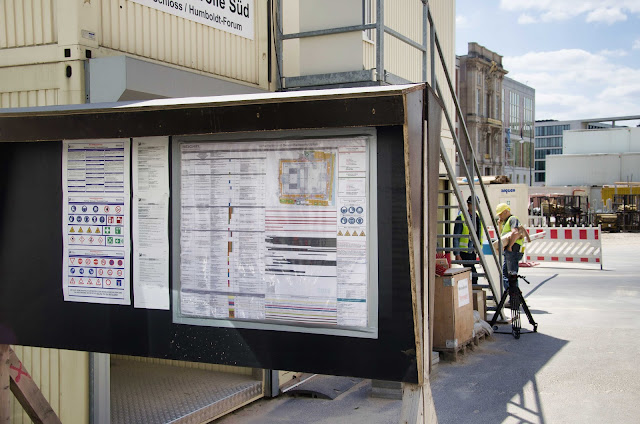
pixel 497 105
pixel 478 101
pixel 479 77
pixel 502 103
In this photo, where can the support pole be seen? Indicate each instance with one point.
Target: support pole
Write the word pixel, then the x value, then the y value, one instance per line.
pixel 5 394
pixel 26 391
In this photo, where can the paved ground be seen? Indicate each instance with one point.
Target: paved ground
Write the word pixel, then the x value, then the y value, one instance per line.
pixel 581 367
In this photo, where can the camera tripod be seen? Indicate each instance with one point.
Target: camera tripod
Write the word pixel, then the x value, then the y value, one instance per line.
pixel 516 300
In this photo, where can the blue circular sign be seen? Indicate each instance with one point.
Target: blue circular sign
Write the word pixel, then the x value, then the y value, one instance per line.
pixel 352 220
pixel 81 271
pixel 91 271
pixel 73 208
pixel 343 209
pixel 86 219
pixel 95 209
pixel 84 209
pixel 94 219
pixel 78 218
pixel 72 270
pixel 343 220
pixel 70 219
pixel 352 209
pixel 359 209
pixel 359 220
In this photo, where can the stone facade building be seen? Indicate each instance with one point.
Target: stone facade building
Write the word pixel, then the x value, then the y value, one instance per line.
pixel 481 77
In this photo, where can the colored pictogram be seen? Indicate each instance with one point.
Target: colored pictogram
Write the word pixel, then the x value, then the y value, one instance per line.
pixel 119 273
pixel 72 230
pixel 103 262
pixel 119 262
pixel 84 208
pixel 95 209
pixel 119 220
pixel 118 209
pixel 110 272
pixel 107 282
pixel 80 261
pixel 72 281
pixel 72 239
pixel 106 209
pixel 73 208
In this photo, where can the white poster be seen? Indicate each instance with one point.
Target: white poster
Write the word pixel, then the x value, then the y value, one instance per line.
pixel 150 157
pixel 275 231
pixel 463 292
pixel 234 16
pixel 96 221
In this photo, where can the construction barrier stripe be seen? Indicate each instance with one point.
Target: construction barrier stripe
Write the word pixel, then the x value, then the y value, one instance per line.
pixel 563 244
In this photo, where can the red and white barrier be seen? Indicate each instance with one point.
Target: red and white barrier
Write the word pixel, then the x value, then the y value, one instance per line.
pixel 563 244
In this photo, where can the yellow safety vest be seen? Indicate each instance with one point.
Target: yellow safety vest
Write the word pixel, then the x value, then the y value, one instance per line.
pixel 506 228
pixel 464 241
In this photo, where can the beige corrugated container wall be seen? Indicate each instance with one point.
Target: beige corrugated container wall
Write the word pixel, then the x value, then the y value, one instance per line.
pixel 33 36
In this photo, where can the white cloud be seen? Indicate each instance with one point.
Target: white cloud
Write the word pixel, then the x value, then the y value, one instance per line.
pixel 613 53
pixel 636 44
pixel 607 15
pixel 575 84
pixel 605 11
pixel 525 19
pixel 461 21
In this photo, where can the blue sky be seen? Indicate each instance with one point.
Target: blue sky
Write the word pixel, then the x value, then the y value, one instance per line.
pixel 581 56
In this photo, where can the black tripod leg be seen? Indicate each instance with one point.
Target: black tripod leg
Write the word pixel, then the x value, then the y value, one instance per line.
pixel 499 308
pixel 515 312
pixel 528 313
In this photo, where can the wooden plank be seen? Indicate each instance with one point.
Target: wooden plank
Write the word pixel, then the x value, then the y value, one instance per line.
pixel 28 394
pixel 5 393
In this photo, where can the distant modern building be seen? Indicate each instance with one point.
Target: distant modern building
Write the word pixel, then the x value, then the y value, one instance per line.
pixel 518 119
pixel 549 139
pixel 480 78
pixel 596 157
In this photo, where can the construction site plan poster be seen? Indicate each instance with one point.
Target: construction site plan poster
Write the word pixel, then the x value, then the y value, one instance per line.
pixel 275 231
pixel 96 221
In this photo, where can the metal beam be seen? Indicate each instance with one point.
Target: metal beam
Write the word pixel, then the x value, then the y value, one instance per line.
pixel 328 31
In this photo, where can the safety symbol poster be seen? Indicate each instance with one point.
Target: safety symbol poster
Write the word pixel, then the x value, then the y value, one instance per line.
pixel 96 221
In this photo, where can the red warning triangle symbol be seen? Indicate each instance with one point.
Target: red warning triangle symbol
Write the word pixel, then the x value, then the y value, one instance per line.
pixel 73 281
pixel 73 260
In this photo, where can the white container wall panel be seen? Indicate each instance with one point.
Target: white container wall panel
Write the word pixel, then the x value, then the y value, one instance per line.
pixel 63 379
pixel 139 30
pixel 29 98
pixel 369 53
pixel 630 167
pixel 590 170
pixel 613 140
pixel 402 60
pixel 27 23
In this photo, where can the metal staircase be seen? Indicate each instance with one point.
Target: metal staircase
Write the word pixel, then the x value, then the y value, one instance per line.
pixel 468 168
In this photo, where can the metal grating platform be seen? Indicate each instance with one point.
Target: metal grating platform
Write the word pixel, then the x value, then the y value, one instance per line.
pixel 151 393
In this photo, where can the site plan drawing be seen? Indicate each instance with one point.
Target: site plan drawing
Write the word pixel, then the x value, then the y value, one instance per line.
pixel 275 231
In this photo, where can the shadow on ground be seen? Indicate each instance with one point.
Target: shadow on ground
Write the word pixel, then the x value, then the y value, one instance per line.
pixel 495 383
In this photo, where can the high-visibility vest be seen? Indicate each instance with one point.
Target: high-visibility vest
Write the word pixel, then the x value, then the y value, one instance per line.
pixel 464 241
pixel 506 228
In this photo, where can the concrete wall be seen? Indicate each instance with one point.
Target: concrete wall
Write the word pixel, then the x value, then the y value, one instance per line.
pixel 595 169
pixel 614 140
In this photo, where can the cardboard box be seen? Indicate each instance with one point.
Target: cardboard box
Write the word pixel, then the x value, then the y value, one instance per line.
pixel 480 303
pixel 453 309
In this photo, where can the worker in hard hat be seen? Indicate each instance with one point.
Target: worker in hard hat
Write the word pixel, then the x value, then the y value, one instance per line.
pixel 467 250
pixel 514 244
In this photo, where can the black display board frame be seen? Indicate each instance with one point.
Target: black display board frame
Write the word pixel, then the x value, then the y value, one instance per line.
pixel 32 309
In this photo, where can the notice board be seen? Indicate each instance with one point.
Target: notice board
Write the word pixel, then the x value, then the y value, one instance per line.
pixel 268 244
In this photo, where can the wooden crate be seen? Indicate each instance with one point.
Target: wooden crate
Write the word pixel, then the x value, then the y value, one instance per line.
pixel 453 310
pixel 480 303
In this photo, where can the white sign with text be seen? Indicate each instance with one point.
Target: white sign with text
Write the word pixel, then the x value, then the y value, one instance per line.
pixel 234 16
